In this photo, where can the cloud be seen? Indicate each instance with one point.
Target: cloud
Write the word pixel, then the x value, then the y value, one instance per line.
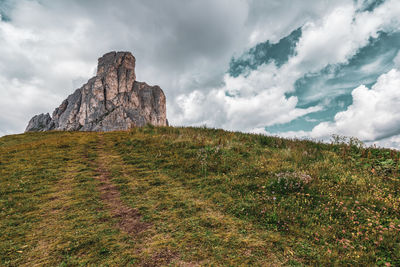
pixel 37 69
pixel 273 20
pixel 50 47
pixel 243 103
pixel 250 101
pixel 374 114
pixel 396 60
pixel 391 142
pixel 337 37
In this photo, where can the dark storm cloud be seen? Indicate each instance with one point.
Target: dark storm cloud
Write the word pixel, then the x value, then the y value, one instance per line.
pixel 178 45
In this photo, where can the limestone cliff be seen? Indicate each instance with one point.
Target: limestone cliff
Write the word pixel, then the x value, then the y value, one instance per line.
pixel 112 100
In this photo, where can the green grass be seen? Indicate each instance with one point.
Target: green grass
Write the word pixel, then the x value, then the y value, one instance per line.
pixel 210 197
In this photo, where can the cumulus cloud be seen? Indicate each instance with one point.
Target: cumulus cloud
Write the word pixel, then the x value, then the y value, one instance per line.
pixel 337 37
pixel 390 142
pixel 374 114
pixel 248 102
pixel 396 60
pixel 243 103
pixel 273 20
pixel 48 48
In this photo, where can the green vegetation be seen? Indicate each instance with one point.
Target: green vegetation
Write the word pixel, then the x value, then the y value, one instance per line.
pixel 201 196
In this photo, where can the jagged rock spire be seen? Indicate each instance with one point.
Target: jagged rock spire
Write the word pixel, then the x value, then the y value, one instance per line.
pixel 112 100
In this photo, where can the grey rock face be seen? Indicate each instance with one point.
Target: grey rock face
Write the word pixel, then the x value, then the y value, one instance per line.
pixel 39 123
pixel 112 100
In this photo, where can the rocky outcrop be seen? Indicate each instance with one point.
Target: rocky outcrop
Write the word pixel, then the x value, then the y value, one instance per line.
pixel 112 100
pixel 39 122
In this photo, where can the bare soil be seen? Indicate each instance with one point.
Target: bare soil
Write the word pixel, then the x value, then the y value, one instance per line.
pixel 129 219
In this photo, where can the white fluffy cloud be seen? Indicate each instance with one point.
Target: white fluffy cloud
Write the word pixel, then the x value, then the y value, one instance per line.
pixel 243 103
pixel 390 142
pixel 337 37
pixel 273 20
pixel 397 60
pixel 49 48
pixel 374 114
pixel 259 98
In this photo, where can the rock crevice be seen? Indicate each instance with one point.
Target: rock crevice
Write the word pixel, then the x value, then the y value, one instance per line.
pixel 112 100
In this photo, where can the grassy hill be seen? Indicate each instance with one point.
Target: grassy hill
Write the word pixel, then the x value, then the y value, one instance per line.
pixel 195 196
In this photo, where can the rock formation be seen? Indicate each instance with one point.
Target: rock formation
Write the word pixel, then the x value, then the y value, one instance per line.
pixel 112 100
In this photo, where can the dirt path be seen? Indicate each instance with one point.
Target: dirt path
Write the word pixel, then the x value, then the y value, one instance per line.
pixel 129 219
pixel 154 247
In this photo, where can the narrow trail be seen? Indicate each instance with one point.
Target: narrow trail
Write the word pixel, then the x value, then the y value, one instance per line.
pixel 159 189
pixel 129 219
pixel 153 248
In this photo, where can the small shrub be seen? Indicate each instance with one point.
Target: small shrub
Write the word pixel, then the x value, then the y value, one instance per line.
pixel 288 182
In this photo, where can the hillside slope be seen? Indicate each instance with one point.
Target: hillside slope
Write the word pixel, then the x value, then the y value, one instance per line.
pixel 195 196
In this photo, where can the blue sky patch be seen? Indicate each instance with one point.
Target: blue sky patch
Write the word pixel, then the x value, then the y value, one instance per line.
pixel 309 121
pixel 332 86
pixel 370 5
pixel 5 6
pixel 264 53
pixel 364 68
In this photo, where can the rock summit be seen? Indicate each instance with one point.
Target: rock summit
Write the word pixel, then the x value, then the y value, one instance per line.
pixel 111 100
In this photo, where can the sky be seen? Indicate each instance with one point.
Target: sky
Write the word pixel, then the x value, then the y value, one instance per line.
pixel 291 68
